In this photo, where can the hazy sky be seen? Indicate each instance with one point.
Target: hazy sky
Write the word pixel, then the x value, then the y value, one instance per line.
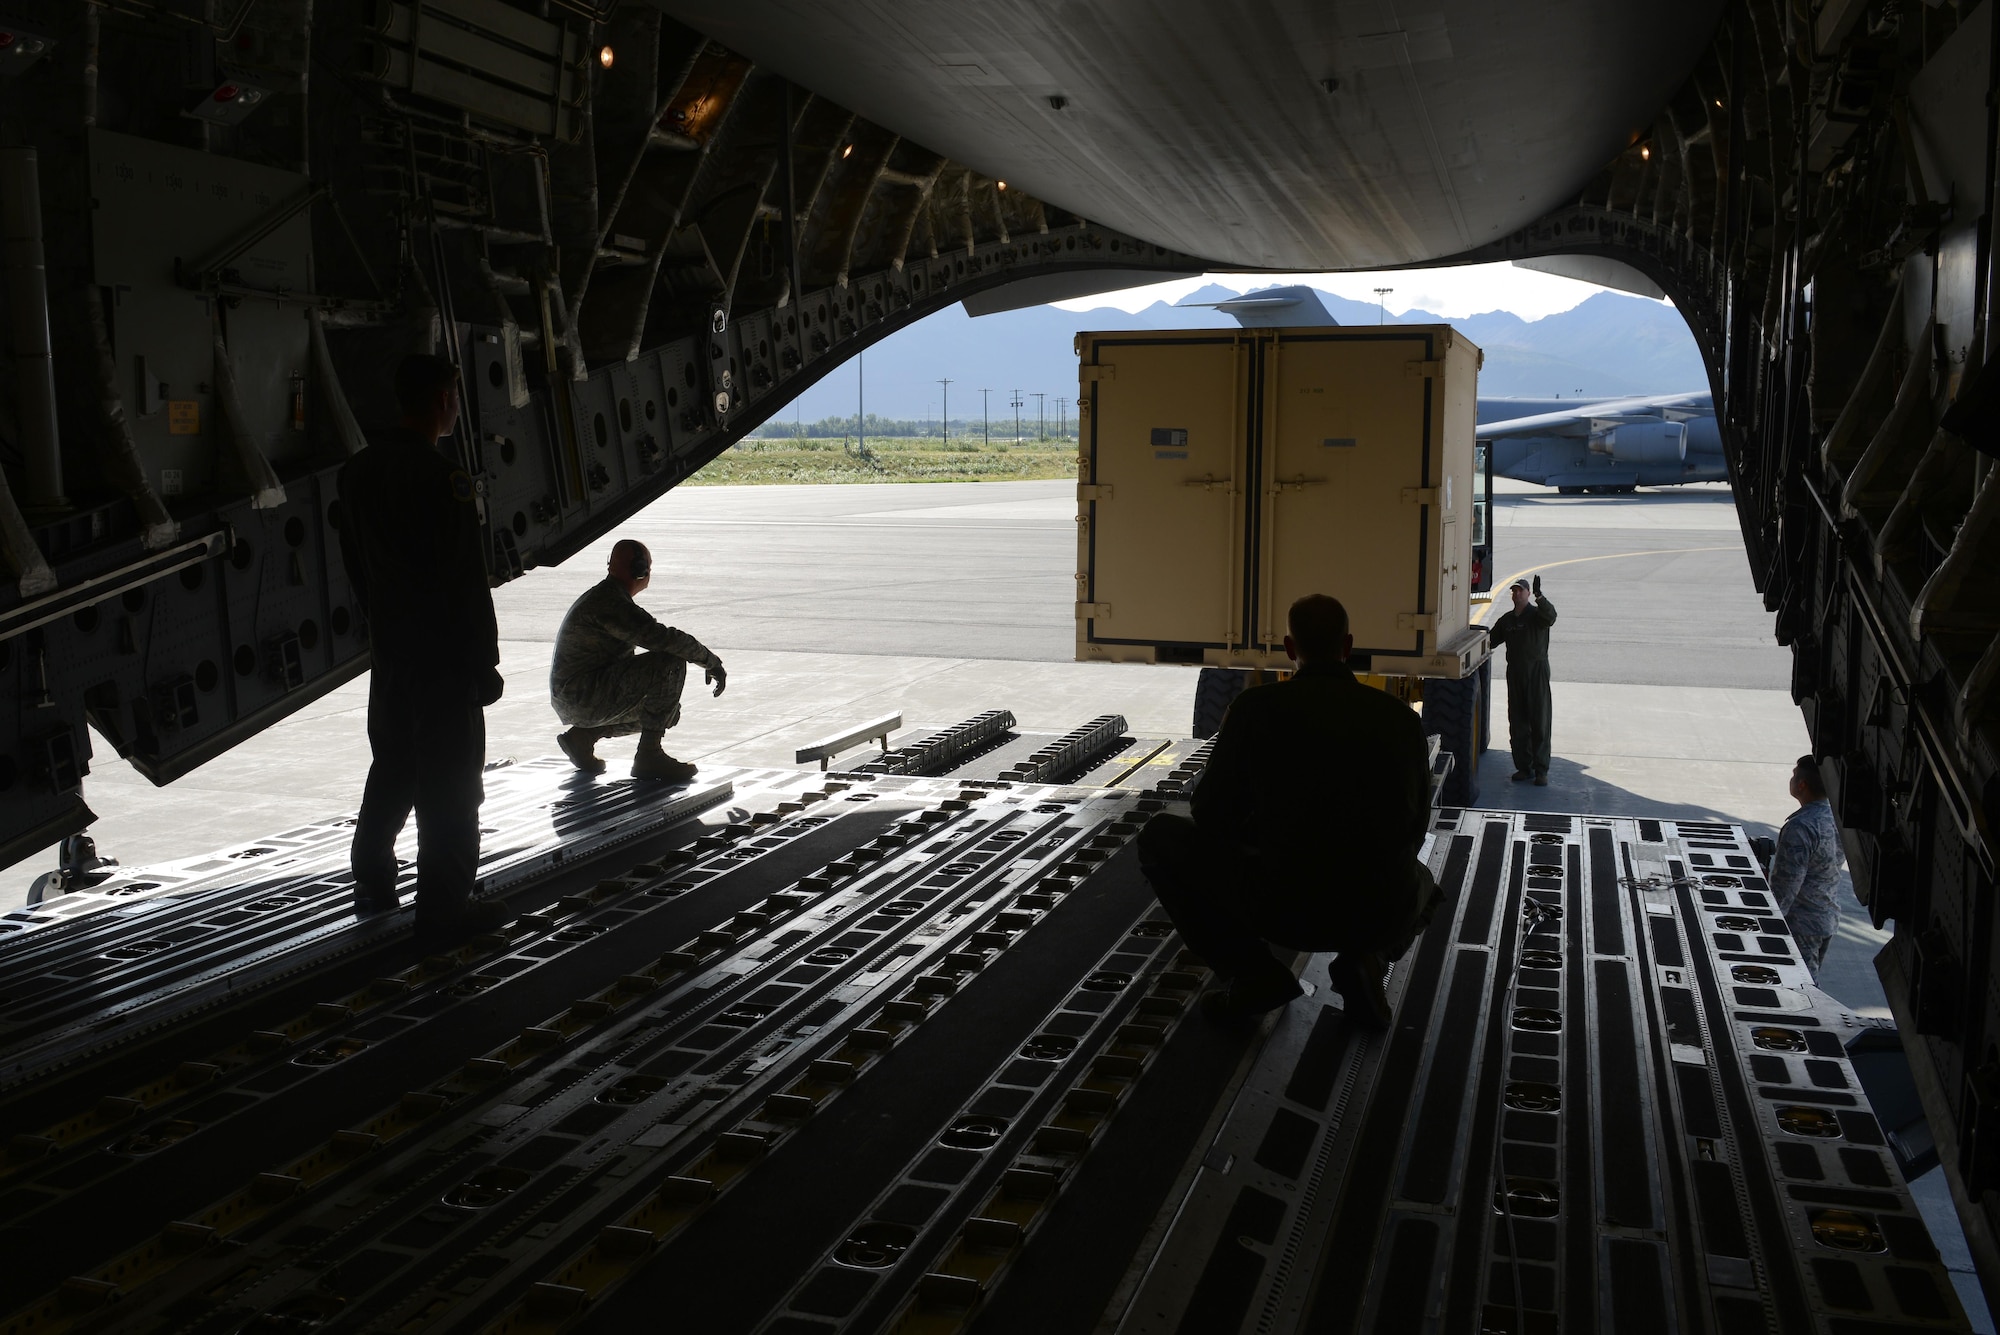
pixel 1471 289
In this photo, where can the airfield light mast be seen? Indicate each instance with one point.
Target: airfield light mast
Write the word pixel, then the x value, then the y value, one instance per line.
pixel 1041 417
pixel 945 416
pixel 1017 416
pixel 985 423
pixel 1382 304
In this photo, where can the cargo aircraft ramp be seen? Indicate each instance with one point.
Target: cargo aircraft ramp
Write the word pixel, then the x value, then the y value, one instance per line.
pixel 909 1046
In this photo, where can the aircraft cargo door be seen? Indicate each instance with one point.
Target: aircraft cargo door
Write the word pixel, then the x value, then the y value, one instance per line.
pixel 1348 428
pixel 1159 519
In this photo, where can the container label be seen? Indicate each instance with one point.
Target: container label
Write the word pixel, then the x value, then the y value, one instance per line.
pixel 1169 435
pixel 1337 443
pixel 184 417
pixel 1170 454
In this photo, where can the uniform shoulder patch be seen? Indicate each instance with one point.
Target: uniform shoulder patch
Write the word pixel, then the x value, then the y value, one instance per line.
pixel 461 484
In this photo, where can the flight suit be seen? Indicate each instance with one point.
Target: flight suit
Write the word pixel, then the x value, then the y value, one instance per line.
pixel 1305 827
pixel 1530 704
pixel 597 679
pixel 411 541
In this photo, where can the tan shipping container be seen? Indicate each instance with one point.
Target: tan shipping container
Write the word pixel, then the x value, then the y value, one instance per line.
pixel 1225 473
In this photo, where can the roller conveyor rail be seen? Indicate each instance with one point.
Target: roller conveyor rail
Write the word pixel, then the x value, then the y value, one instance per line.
pixel 849 1052
pixel 946 749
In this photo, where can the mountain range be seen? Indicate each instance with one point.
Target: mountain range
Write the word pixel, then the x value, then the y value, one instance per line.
pixel 1609 344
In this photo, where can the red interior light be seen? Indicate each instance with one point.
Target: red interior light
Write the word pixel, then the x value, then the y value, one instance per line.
pixel 6 40
pixel 227 93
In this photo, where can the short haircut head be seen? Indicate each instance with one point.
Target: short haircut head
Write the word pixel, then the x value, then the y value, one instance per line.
pixel 630 559
pixel 419 377
pixel 1318 624
pixel 1807 772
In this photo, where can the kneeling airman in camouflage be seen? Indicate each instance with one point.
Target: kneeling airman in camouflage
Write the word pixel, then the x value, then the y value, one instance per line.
pixel 602 688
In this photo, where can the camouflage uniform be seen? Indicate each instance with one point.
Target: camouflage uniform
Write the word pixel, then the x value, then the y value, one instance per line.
pixel 598 680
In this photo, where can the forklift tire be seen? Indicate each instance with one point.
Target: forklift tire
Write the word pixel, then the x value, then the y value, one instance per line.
pixel 1451 710
pixel 1214 692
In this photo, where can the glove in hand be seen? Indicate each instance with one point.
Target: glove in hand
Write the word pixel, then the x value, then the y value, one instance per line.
pixel 718 676
pixel 1538 586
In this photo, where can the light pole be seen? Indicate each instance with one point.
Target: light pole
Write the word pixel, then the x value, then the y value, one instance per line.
pixel 861 400
pixel 1017 417
pixel 947 409
pixel 1382 305
pixel 1041 417
pixel 985 424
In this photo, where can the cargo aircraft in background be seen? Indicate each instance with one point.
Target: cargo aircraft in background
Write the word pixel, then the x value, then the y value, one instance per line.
pixel 1575 445
pixel 1604 445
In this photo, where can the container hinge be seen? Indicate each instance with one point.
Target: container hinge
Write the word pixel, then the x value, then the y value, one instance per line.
pixel 1416 621
pixel 1102 371
pixel 1093 611
pixel 1420 495
pixel 1094 491
pixel 1424 369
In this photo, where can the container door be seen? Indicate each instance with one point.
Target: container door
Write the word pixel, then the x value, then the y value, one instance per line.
pixel 1161 530
pixel 1347 428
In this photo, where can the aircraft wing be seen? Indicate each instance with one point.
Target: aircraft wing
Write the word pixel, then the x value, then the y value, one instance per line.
pixel 1594 419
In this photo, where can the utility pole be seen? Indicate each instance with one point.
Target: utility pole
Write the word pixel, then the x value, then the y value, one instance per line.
pixel 1017 417
pixel 946 382
pixel 1042 416
pixel 1062 418
pixel 985 423
pixel 861 400
pixel 1382 304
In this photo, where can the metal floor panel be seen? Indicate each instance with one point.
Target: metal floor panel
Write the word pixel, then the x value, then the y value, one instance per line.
pixel 1612 1100
pixel 881 1052
pixel 692 1060
pixel 205 930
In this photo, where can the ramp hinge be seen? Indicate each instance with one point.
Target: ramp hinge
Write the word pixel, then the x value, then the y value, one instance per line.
pixel 1416 621
pixel 1102 371
pixel 1420 495
pixel 1096 611
pixel 1424 369
pixel 1093 491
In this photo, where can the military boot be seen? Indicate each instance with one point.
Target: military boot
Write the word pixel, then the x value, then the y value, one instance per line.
pixel 650 762
pixel 580 745
pixel 1362 980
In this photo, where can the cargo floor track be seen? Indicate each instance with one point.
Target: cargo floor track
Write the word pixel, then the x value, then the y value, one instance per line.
pixel 909 1047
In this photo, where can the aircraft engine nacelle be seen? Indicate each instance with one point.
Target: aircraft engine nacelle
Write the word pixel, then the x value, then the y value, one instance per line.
pixel 1644 444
